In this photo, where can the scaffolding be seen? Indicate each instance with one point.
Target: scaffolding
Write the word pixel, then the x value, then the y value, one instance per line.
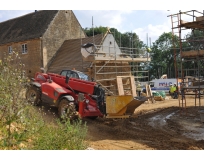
pixel 190 50
pixel 109 62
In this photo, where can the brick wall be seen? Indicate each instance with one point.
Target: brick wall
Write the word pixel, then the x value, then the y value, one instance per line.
pixel 32 59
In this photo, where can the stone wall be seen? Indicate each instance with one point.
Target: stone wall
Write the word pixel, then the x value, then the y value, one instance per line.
pixel 31 59
pixel 63 27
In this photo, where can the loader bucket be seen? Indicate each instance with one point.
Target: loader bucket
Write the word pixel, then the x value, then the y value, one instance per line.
pixel 122 106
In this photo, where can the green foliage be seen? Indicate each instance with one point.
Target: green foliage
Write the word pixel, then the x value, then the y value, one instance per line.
pixel 162 58
pixel 127 39
pixel 194 41
pixel 13 106
pixel 21 125
pixel 97 30
pixel 65 137
pixel 131 40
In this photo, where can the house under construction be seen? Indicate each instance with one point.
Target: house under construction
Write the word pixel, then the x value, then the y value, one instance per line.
pixel 114 68
pixel 182 23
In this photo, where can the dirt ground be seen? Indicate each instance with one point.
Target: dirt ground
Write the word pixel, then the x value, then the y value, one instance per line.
pixel 162 125
pixel 159 126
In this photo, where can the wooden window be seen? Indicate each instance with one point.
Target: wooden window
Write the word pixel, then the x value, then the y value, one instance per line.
pixel 10 49
pixel 24 48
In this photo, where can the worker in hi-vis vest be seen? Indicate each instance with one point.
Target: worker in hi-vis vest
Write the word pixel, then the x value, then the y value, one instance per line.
pixel 171 90
pixel 139 88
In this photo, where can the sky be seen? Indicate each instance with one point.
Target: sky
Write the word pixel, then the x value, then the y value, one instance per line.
pixel 148 24
pixel 145 23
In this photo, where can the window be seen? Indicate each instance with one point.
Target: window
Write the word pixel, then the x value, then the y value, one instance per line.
pixel 68 74
pixel 83 76
pixel 63 73
pixel 10 50
pixel 24 48
pixel 74 75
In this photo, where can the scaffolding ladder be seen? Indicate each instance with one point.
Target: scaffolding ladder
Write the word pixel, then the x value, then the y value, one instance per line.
pixel 175 21
pixel 194 55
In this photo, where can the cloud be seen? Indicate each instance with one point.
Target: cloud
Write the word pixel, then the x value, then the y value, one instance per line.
pixel 165 25
pixel 106 18
pixel 153 31
pixel 115 19
pixel 142 22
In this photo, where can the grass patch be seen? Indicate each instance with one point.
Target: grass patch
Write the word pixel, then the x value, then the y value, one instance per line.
pixel 21 125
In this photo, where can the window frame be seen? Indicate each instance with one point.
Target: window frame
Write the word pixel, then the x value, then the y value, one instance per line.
pixel 24 48
pixel 10 50
pixel 64 73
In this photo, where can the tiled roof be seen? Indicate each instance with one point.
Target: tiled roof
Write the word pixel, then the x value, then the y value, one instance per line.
pixel 69 55
pixel 26 27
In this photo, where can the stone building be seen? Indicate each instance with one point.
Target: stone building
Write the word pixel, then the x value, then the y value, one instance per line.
pixel 38 36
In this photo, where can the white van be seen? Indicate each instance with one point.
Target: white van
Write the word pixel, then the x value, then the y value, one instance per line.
pixel 163 84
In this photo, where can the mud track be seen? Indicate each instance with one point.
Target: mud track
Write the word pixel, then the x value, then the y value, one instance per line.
pixel 159 126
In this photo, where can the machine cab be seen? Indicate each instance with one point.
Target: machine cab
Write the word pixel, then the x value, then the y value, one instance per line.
pixel 74 74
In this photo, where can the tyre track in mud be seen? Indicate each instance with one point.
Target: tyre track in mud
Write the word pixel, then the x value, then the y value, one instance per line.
pixel 138 130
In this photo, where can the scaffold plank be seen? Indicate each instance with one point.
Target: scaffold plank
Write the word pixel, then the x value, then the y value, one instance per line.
pixel 192 53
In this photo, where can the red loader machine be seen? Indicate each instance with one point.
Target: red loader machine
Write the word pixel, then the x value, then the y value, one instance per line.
pixel 72 93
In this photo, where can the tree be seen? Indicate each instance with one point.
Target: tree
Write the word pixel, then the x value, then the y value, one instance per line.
pixel 162 58
pixel 127 39
pixel 194 41
pixel 97 30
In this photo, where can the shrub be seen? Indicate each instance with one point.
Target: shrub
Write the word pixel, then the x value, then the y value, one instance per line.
pixel 22 125
pixel 13 121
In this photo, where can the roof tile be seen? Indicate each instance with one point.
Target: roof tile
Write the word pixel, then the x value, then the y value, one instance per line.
pixel 29 26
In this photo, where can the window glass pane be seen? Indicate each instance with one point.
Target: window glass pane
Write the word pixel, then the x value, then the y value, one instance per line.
pixel 64 73
pixel 83 76
pixel 25 48
pixel 68 73
pixel 74 75
pixel 10 49
pixel 22 48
